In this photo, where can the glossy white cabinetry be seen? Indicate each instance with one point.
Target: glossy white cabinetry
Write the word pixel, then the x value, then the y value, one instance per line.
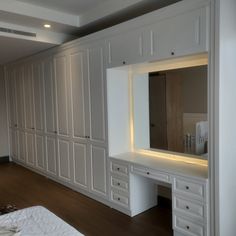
pixel 58 113
pixel 181 35
pixel 127 48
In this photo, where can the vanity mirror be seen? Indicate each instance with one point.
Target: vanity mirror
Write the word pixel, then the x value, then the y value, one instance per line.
pixel 170 110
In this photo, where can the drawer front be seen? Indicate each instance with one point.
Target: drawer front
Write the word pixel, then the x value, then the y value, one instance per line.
pixel 187 227
pixel 151 173
pixel 118 183
pixel 119 199
pixel 119 168
pixel 197 190
pixel 190 208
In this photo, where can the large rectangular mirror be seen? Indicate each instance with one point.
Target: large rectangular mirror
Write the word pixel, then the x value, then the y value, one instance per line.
pixel 170 110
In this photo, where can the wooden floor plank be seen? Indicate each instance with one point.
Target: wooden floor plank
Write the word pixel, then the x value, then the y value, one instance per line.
pixel 24 188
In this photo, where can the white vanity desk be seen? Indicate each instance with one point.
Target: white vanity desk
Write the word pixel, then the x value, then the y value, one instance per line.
pixel 133 189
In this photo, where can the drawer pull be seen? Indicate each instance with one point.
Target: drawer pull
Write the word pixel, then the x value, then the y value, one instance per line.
pixel 187 187
pixel 187 207
pixel 148 173
pixel 187 227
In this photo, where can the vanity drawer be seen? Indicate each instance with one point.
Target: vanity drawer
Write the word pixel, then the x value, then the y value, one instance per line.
pixel 153 174
pixel 119 168
pixel 118 183
pixel 119 199
pixel 194 209
pixel 196 190
pixel 187 227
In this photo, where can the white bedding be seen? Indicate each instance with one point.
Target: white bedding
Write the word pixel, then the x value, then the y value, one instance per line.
pixel 37 221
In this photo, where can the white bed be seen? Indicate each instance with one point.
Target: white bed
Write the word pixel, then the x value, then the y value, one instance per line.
pixel 37 221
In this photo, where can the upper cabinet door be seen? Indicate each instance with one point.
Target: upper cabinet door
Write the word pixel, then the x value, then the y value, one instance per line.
pixel 62 82
pixel 20 97
pixel 12 98
pixel 79 82
pixel 181 35
pixel 49 96
pixel 126 48
pixel 29 97
pixel 38 96
pixel 96 74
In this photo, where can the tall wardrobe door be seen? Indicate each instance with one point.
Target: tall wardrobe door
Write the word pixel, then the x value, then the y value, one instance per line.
pixel 40 152
pixel 51 156
pixel 38 96
pixel 29 104
pixel 20 97
pixel 12 98
pixel 97 96
pixel 21 146
pixel 49 96
pixel 62 94
pixel 78 79
pixel 98 173
pixel 14 144
pixel 30 149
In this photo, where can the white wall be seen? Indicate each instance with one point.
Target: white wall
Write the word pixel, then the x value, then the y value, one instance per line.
pixel 226 76
pixel 4 146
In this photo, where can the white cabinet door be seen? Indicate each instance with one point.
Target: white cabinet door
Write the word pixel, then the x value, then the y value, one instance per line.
pixel 12 98
pixel 38 96
pixel 14 143
pixel 30 149
pixel 96 74
pixel 29 103
pixel 64 154
pixel 79 89
pixel 21 147
pixel 51 156
pixel 80 165
pixel 126 48
pixel 40 152
pixel 62 95
pixel 49 94
pixel 20 97
pixel 181 35
pixel 98 170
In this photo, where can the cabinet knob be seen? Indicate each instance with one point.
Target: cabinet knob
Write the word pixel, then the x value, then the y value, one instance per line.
pixel 118 168
pixel 55 132
pixel 187 207
pixel 118 199
pixel 124 62
pixel 187 187
pixel 187 227
pixel 172 53
pixel 87 137
pixel 148 173
pixel 118 184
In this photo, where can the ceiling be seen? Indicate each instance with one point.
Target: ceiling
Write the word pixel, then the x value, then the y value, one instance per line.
pixel 69 19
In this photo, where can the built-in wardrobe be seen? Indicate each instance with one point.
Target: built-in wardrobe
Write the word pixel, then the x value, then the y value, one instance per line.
pixel 59 110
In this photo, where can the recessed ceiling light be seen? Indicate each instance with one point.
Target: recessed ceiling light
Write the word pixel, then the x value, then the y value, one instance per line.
pixel 47 26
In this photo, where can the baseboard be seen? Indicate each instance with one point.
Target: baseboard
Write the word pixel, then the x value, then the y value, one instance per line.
pixel 4 159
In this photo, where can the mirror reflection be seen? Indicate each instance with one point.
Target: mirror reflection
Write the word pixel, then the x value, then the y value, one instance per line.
pixel 171 112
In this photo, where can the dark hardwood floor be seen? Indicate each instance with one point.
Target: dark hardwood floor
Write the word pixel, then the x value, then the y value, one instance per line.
pixel 25 188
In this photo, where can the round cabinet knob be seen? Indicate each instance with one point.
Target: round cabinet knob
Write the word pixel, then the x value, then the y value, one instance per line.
pixel 118 168
pixel 187 187
pixel 148 173
pixel 118 199
pixel 124 62
pixel 55 132
pixel 187 227
pixel 118 184
pixel 187 207
pixel 172 53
